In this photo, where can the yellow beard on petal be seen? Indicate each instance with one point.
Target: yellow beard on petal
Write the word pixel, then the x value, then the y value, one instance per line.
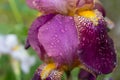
pixel 46 71
pixel 90 14
pixel 39 14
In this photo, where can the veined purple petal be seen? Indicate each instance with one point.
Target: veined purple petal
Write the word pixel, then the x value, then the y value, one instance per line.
pixel 59 39
pixel 52 6
pixel 33 33
pixel 84 75
pixel 96 47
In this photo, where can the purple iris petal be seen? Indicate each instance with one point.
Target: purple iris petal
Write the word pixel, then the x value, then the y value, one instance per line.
pixel 84 75
pixel 52 75
pixel 38 72
pixel 27 44
pixel 33 33
pixel 59 39
pixel 85 3
pixel 97 49
pixel 100 8
pixel 52 6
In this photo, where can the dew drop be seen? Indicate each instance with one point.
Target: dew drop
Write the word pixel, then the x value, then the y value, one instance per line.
pixel 83 38
pixel 52 43
pixel 61 53
pixel 56 35
pixel 51 46
pixel 62 31
pixel 58 41
pixel 106 41
pixel 47 28
pixel 71 18
pixel 115 63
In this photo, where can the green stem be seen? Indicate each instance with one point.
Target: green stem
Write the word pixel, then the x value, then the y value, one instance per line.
pixel 16 68
pixel 15 10
pixel 68 73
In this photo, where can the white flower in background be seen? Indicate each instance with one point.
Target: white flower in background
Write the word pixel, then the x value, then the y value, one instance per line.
pixel 9 45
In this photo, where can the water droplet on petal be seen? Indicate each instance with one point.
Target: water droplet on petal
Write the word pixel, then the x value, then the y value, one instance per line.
pixel 62 31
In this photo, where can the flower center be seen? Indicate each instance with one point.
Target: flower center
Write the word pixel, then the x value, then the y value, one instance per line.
pixel 90 14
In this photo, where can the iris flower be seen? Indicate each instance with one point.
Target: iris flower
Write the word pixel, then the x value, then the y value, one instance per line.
pixel 10 45
pixel 69 34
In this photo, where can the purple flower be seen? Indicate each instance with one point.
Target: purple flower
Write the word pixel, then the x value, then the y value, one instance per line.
pixel 55 41
pixel 48 38
pixel 71 33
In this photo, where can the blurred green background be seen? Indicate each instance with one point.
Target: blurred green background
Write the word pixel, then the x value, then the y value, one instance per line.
pixel 16 17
